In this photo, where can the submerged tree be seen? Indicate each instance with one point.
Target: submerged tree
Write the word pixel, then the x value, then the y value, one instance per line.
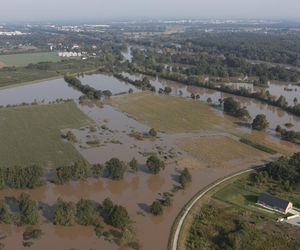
pixel 154 164
pixel 152 132
pixel 119 217
pixel 5 217
pixel 115 168
pixel 65 213
pixel 185 178
pixel 28 210
pixel 260 122
pixel 86 213
pixel 156 208
pixel 134 165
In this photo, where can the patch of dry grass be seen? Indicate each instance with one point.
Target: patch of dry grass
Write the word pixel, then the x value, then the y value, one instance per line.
pixel 282 147
pixel 170 114
pixel 220 151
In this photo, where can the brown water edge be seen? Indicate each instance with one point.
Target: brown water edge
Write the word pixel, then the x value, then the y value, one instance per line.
pixel 136 192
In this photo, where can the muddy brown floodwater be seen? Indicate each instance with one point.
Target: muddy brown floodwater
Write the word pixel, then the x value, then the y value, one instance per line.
pixel 137 191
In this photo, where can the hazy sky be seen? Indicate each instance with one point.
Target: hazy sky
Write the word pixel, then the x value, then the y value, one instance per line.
pixel 11 10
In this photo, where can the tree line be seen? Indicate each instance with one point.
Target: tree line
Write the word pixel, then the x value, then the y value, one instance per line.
pixel 88 91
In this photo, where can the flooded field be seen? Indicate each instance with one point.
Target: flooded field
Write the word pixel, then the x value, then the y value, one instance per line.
pixel 115 133
pixel 135 192
pixel 52 90
pixel 47 91
pixel 104 82
pixel 274 115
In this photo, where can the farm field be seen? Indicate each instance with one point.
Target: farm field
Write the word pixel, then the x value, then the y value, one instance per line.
pixel 170 114
pixel 32 134
pixel 262 138
pixel 20 60
pixel 230 151
pixel 23 75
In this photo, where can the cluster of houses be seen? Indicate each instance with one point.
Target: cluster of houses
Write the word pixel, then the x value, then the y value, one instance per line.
pixel 12 33
pixel 70 54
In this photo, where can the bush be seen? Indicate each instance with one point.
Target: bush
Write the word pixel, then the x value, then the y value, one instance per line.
pixel 32 234
pixel 152 132
pixel 65 213
pixel 154 164
pixel 77 171
pixel 86 213
pixel 5 217
pixel 116 169
pixel 185 178
pixel 28 210
pixel 156 208
pixel 260 123
pixel 134 165
pixel 21 177
pixel 107 206
pixel 119 217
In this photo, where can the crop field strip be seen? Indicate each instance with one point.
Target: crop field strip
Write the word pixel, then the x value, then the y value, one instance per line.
pixel 32 134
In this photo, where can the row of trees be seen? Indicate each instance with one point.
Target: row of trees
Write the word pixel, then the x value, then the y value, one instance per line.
pixel 116 169
pixel 285 170
pixel 32 176
pixel 90 213
pixel 21 177
pixel 85 212
pixel 88 91
pixel 143 84
pixel 288 135
pixel 76 171
pixel 262 95
pixel 27 211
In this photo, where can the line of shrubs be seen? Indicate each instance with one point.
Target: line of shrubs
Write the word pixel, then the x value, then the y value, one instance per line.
pixel 85 212
pixel 88 91
pixel 33 176
pixel 143 84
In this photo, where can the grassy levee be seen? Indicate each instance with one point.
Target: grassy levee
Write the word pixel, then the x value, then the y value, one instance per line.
pixel 197 205
pixel 170 114
pixel 20 60
pixel 32 134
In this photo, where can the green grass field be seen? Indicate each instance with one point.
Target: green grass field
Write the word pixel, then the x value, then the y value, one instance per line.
pixel 32 134
pixel 19 60
pixel 55 69
pixel 242 193
pixel 170 114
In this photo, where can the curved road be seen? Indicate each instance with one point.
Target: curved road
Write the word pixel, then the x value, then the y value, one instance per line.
pixel 188 209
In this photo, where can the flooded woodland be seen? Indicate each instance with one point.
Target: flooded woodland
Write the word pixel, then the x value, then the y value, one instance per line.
pixel 112 130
